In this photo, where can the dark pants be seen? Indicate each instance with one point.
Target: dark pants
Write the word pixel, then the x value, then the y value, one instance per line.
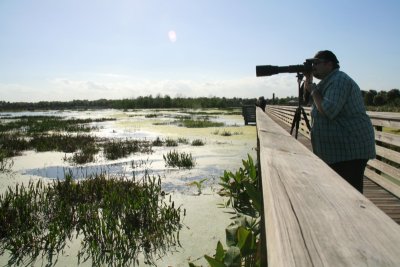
pixel 352 171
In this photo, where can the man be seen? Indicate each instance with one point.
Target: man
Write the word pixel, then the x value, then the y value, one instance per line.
pixel 342 134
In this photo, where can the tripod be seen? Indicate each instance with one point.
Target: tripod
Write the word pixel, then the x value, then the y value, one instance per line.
pixel 300 110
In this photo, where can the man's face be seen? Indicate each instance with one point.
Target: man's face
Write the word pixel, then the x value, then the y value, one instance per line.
pixel 321 68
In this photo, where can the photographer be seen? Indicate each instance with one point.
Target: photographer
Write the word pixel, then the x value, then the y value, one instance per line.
pixel 342 134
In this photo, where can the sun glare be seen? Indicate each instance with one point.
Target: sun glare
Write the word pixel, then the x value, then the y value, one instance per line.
pixel 172 36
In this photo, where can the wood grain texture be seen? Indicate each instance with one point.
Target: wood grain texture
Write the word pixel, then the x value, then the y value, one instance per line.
pixel 313 217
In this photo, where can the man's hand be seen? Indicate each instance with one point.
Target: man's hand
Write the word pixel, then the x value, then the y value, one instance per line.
pixel 308 82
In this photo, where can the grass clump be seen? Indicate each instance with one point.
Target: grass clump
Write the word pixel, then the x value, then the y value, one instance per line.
pixel 225 132
pixel 118 219
pixel 157 142
pixel 180 160
pixel 171 142
pixel 116 149
pixel 183 140
pixel 200 123
pixel 41 124
pixel 197 142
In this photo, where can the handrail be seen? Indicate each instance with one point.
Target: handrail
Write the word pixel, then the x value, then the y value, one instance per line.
pixel 312 216
pixel 384 170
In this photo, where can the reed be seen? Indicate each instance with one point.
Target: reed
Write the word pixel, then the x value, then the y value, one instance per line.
pixel 116 149
pixel 197 142
pixel 116 218
pixel 41 124
pixel 201 123
pixel 181 160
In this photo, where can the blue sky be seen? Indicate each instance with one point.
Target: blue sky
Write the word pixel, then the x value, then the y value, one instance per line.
pixel 64 50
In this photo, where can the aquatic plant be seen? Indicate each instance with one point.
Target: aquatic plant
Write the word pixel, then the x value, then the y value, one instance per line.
pixel 152 115
pixel 198 184
pixel 67 143
pixel 197 142
pixel 12 144
pixel 5 163
pixel 41 124
pixel 117 219
pixel 84 155
pixel 182 140
pixel 171 142
pixel 180 160
pixel 157 142
pixel 243 234
pixel 225 132
pixel 243 189
pixel 115 149
pixel 204 123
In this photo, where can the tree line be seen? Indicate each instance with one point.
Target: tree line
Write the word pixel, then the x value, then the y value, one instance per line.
pixel 141 102
pixel 374 100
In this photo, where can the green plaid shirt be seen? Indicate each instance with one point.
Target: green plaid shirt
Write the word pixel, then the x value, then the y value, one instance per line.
pixel 345 131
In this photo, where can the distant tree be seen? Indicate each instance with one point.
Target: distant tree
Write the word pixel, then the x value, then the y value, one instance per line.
pixel 379 100
pixel 392 95
pixel 369 97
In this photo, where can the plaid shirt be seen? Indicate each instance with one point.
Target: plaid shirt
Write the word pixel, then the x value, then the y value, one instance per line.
pixel 345 132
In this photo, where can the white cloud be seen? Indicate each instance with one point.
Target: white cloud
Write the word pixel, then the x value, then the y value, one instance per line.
pixel 113 86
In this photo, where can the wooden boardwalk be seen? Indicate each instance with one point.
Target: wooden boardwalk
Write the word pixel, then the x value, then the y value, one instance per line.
pixel 383 199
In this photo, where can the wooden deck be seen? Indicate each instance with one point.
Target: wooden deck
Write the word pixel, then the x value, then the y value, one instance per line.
pixel 383 199
pixel 309 221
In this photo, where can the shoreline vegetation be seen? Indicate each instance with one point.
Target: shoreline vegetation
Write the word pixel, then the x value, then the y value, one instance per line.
pixel 385 101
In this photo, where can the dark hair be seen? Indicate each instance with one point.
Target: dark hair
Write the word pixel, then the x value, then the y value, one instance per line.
pixel 328 56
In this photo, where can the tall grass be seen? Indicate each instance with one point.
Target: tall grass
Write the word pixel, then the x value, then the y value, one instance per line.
pixel 204 123
pixel 181 160
pixel 117 218
pixel 116 149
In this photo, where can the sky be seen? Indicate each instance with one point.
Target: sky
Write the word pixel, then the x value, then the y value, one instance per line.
pixel 113 49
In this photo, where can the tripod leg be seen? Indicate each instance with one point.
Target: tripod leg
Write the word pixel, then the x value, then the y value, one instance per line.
pixel 297 126
pixel 296 119
pixel 306 119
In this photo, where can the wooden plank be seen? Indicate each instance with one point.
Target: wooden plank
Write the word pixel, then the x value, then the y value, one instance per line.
pixel 385 123
pixel 388 154
pixel 313 217
pixel 382 181
pixel 385 168
pixel 389 138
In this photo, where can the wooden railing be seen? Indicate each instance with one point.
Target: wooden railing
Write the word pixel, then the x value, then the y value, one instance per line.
pixel 312 217
pixel 385 169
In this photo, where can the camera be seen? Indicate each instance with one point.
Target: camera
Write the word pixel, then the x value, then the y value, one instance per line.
pixel 268 70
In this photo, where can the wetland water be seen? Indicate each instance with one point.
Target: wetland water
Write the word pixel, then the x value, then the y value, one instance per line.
pixel 224 148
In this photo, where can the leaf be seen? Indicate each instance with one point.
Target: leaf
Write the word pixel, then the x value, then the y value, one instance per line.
pixel 232 257
pixel 231 237
pixel 213 262
pixel 246 241
pixel 242 234
pixel 255 195
pixel 220 252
